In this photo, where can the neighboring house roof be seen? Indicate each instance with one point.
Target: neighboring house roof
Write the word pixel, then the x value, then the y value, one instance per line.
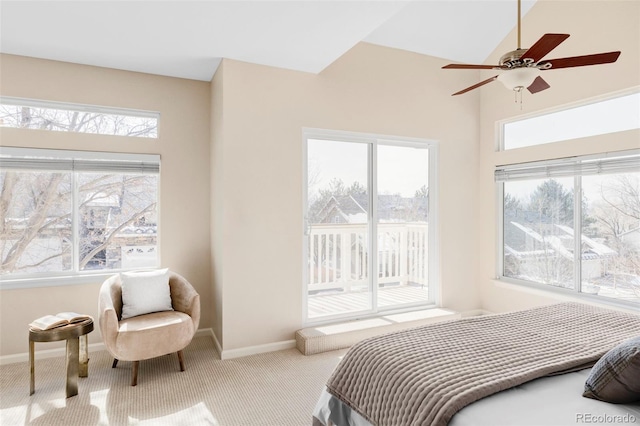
pixel 351 205
pixel 596 247
pixel 354 208
pixel 345 206
pixel 595 250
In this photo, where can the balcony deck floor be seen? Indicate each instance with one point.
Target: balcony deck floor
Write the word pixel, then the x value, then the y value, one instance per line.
pixel 321 305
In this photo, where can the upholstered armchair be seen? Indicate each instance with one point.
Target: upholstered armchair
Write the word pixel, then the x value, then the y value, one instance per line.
pixel 152 334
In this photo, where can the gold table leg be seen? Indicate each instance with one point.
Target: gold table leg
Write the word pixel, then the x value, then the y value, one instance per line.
pixel 32 380
pixel 73 346
pixel 84 357
pixel 72 334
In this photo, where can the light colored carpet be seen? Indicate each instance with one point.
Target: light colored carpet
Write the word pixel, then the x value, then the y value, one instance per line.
pixel 277 388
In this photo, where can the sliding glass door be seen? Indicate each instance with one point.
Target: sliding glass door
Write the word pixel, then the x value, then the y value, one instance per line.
pixel 338 228
pixel 366 195
pixel 402 224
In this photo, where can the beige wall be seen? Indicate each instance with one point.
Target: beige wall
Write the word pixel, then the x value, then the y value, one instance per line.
pixel 217 199
pixel 595 26
pixel 371 89
pixel 183 144
pixel 231 189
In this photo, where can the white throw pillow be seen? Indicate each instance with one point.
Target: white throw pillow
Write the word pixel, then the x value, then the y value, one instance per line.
pixel 145 292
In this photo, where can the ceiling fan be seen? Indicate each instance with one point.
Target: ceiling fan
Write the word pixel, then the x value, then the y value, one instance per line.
pixel 521 67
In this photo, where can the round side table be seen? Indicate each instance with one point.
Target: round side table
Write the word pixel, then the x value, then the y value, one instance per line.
pixel 77 351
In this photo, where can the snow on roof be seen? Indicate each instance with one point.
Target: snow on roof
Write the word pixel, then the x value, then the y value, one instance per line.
pixel 596 249
pixel 528 231
pixel 595 246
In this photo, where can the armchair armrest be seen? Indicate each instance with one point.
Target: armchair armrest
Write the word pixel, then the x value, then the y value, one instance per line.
pixel 185 298
pixel 107 317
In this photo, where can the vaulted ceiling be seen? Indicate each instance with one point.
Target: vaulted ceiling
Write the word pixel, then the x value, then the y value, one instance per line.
pixel 188 39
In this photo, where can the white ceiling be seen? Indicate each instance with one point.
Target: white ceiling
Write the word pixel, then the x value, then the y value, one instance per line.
pixel 187 39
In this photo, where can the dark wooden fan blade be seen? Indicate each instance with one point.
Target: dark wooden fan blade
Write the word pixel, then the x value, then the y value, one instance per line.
pixel 538 85
pixel 546 44
pixel 475 86
pixel 469 67
pixel 580 61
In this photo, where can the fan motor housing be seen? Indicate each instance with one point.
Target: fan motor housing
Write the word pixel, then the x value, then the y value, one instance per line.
pixel 512 59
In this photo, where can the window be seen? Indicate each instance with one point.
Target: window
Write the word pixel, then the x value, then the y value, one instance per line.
pixel 597 118
pixel 545 205
pixel 364 195
pixel 64 117
pixel 68 213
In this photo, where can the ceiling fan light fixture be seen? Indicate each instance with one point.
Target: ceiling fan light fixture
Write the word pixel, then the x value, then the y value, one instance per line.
pixel 521 67
pixel 519 78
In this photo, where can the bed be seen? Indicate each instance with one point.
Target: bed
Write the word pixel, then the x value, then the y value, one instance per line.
pixel 518 368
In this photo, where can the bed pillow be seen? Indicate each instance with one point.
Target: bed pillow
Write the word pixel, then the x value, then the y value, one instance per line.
pixel 614 378
pixel 145 292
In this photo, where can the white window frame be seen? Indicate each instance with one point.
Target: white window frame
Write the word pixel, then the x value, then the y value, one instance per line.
pixel 96 109
pixel 500 125
pixel 557 168
pixel 372 140
pixel 142 163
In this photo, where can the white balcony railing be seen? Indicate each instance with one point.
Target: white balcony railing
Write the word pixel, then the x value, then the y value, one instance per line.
pixel 339 256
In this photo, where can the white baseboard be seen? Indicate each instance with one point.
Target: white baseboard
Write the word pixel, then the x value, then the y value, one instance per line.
pixel 95 347
pixel 204 332
pixel 258 349
pixel 208 332
pixel 45 353
pixel 247 350
pixel 52 353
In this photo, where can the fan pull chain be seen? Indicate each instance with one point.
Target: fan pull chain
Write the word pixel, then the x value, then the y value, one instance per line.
pixel 518 99
pixel 520 91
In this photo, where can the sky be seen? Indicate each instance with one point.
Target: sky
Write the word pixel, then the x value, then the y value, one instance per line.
pixel 608 116
pixel 401 169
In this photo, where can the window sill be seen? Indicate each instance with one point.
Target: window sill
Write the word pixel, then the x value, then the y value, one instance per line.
pixel 340 335
pixel 564 295
pixel 23 283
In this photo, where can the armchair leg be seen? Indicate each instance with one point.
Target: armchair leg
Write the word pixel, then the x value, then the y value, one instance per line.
pixel 134 373
pixel 181 359
pixel 115 362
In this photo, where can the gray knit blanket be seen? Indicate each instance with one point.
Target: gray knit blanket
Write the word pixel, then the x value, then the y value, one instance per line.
pixel 424 375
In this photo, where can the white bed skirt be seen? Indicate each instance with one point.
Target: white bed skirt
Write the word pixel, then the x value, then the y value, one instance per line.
pixel 550 401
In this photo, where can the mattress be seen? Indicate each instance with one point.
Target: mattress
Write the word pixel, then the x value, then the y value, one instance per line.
pixel 549 401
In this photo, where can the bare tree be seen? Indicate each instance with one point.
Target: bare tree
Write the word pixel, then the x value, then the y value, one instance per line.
pixel 622 193
pixel 108 237
pixel 43 199
pixel 35 207
pixel 44 211
pixel 617 213
pixel 77 121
